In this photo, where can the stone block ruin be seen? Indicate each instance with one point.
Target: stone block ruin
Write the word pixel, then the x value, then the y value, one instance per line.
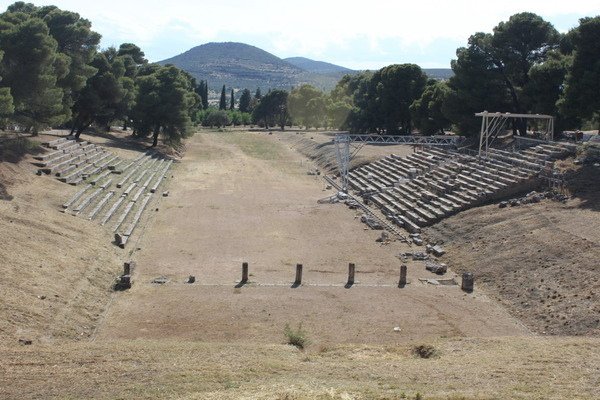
pixel 116 191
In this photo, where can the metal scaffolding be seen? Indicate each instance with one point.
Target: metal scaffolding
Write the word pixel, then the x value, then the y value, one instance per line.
pixel 492 124
pixel 342 143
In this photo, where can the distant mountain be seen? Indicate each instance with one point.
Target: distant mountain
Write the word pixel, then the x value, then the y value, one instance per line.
pixel 317 67
pixel 439 73
pixel 241 66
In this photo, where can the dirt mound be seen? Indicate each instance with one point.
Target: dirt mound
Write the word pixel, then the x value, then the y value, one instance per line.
pixel 540 260
pixel 56 269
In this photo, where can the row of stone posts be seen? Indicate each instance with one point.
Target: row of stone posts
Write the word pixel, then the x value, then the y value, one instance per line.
pixel 467 277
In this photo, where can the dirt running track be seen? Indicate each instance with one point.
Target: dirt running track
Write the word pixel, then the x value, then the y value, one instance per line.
pixel 246 197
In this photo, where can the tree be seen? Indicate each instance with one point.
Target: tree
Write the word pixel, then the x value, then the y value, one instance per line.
pixel 273 109
pixel 165 103
pixel 77 43
pixel 394 89
pixel 338 113
pixel 582 87
pixel 223 100
pixel 232 103
pixel 202 91
pixel 103 93
pixel 7 107
pixel 218 118
pixel 300 111
pixel 257 95
pixel 350 101
pixel 31 68
pixel 426 111
pixel 205 97
pixel 493 72
pixel 245 98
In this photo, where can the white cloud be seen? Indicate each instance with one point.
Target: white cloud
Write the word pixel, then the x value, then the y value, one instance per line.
pixel 312 28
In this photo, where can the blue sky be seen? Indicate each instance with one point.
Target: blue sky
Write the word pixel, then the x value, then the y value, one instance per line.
pixel 360 35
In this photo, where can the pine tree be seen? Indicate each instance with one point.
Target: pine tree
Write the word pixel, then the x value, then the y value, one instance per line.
pixel 232 104
pixel 257 95
pixel 245 99
pixel 223 101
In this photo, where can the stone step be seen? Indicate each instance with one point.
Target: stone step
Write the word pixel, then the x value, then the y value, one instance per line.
pixel 123 215
pixel 81 206
pixel 138 215
pixel 112 210
pixel 76 197
pixel 55 142
pixel 100 205
pixel 99 177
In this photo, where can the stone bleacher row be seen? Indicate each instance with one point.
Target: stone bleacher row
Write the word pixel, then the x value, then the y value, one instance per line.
pixel 427 186
pixel 73 162
pixel 117 190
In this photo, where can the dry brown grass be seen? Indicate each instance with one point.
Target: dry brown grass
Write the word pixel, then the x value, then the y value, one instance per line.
pixel 497 368
pixel 56 269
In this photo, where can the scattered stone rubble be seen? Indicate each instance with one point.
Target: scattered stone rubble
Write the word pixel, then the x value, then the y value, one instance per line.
pixel 371 222
pixel 436 268
pixel 534 197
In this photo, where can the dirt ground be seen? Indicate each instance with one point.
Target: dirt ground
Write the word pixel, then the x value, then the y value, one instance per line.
pixel 541 260
pixel 239 197
pixel 246 197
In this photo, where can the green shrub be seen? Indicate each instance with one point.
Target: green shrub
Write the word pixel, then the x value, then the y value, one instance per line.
pixel 296 337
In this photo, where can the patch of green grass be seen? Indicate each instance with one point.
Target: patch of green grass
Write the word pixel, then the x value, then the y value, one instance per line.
pixel 257 146
pixel 296 337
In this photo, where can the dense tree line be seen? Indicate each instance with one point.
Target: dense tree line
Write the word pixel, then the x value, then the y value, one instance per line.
pixel 524 66
pixel 54 75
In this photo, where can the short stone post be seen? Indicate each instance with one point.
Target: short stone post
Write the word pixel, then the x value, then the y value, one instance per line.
pixel 128 267
pixel 467 282
pixel 298 280
pixel 351 271
pixel 244 272
pixel 402 281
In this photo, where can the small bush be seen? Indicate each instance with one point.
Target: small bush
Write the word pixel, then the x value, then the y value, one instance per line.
pixel 296 337
pixel 425 351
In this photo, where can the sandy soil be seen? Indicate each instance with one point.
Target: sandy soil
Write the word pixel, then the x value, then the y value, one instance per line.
pixel 57 270
pixel 541 261
pixel 246 197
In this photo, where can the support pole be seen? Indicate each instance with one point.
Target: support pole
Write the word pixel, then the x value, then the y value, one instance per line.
pixel 402 281
pixel 351 271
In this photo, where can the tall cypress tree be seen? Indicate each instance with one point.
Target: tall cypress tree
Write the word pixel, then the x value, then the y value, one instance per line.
pixel 205 97
pixel 223 101
pixel 232 104
pixel 257 95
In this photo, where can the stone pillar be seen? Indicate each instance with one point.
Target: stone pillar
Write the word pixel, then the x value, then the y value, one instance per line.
pixel 298 280
pixel 351 271
pixel 128 267
pixel 402 281
pixel 244 272
pixel 467 282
